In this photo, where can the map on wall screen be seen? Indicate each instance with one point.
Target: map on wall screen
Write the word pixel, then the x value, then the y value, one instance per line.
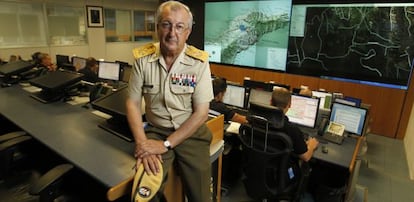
pixel 373 42
pixel 248 33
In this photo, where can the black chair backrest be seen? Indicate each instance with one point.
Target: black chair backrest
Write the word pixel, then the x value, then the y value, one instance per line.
pixel 267 151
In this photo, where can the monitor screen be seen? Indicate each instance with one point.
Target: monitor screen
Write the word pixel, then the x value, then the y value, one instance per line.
pixel 109 70
pixel 303 110
pixel 78 62
pixel 363 43
pixel 62 59
pixel 248 33
pixel 352 117
pixel 235 95
pixel 260 96
pixel 113 104
pixel 325 99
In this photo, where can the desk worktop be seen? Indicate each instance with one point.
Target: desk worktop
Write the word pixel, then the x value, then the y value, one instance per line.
pixel 73 133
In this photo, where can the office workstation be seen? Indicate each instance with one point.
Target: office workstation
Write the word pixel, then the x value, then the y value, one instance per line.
pixel 358 82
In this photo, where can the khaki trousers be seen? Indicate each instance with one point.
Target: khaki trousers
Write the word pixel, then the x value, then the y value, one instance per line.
pixel 192 158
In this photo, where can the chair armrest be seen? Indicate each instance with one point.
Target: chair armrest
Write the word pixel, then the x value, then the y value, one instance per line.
pixel 49 178
pixel 13 142
pixel 11 135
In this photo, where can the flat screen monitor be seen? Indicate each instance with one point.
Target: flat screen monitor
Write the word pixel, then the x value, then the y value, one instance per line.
pixel 109 70
pixel 114 105
pixel 235 95
pixel 14 68
pixel 325 99
pixel 248 33
pixel 259 85
pixel 260 96
pixel 352 117
pixel 56 80
pixel 79 63
pixel 62 59
pixel 353 42
pixel 303 110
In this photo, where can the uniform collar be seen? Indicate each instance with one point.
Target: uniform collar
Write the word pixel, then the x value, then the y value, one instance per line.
pixel 182 58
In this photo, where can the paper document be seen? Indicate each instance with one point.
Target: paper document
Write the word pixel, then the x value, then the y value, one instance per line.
pixel 233 128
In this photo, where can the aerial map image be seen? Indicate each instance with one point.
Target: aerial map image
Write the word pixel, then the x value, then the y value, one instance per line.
pixel 248 33
pixel 364 41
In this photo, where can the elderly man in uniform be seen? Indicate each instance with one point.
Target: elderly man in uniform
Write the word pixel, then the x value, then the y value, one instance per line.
pixel 174 79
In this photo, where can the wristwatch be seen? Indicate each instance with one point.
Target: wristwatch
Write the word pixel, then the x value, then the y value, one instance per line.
pixel 167 144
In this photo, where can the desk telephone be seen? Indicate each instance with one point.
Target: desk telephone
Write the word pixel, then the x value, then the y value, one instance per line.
pixel 331 131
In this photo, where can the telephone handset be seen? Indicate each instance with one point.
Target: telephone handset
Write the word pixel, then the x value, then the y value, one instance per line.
pixel 322 126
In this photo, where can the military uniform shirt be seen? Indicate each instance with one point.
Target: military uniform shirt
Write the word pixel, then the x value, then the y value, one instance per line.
pixel 170 96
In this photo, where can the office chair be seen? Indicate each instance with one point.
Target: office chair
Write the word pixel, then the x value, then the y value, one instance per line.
pixel 270 173
pixel 10 151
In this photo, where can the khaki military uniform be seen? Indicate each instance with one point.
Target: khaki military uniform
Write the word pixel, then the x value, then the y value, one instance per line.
pixel 169 99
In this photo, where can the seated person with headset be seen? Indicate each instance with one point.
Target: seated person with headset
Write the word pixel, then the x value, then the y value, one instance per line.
pixel 91 70
pixel 219 89
pixel 281 98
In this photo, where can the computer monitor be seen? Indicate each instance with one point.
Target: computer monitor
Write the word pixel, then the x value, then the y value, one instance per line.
pixel 14 68
pixel 355 100
pixel 114 105
pixel 260 97
pixel 325 99
pixel 352 117
pixel 78 62
pixel 346 102
pixel 260 85
pixel 54 85
pixel 303 110
pixel 62 60
pixel 109 71
pixel 126 73
pixel 235 95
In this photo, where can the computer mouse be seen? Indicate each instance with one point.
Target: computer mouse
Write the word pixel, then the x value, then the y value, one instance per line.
pixel 324 149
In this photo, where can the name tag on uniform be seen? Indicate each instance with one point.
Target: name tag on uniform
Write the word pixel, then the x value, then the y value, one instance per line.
pixel 184 79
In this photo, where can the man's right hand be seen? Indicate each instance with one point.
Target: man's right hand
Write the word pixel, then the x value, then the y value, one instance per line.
pixel 150 163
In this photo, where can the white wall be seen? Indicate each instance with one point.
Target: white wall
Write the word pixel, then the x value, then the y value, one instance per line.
pixel 409 144
pixel 96 47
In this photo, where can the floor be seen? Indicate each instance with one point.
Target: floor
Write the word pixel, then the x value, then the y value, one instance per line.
pixel 383 172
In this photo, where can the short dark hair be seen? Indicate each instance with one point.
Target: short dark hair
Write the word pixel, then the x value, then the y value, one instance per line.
pixel 90 62
pixel 219 85
pixel 281 97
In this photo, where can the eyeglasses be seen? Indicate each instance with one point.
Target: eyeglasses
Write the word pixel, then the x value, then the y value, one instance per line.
pixel 179 27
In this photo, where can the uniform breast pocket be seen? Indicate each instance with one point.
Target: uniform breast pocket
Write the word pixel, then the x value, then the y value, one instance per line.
pixel 150 93
pixel 183 94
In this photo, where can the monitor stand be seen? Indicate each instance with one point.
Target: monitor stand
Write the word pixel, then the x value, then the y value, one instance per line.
pixel 118 127
pixel 48 96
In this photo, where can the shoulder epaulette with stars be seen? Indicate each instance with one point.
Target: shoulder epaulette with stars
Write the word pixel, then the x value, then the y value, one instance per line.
pixel 144 50
pixel 196 53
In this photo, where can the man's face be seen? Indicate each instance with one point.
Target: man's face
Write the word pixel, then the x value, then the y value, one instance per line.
pixel 173 30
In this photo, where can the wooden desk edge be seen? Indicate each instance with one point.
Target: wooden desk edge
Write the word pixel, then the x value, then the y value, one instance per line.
pixel 355 155
pixel 119 190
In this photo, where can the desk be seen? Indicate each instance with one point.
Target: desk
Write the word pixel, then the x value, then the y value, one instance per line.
pixel 73 133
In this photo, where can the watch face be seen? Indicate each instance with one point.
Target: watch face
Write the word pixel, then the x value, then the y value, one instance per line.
pixel 167 143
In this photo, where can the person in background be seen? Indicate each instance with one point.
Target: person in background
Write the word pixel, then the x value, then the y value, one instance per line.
pixel 14 58
pixel 174 79
pixel 281 98
pixel 91 70
pixel 305 91
pixel 219 89
pixel 45 61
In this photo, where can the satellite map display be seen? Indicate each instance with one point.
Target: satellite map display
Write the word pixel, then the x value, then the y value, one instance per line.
pixel 248 33
pixel 372 42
